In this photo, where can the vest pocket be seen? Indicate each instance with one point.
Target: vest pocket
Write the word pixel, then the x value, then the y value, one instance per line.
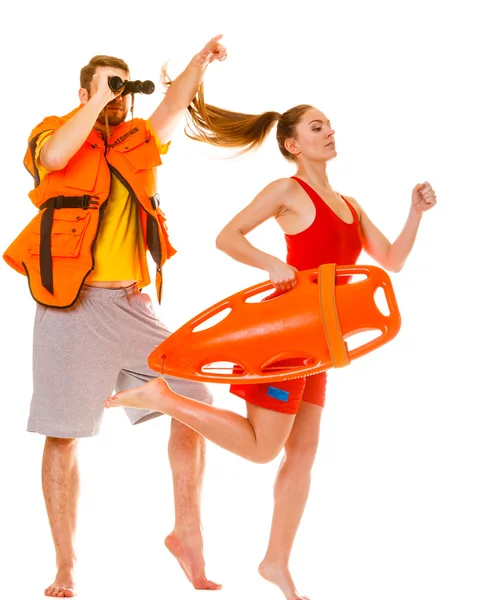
pixel 143 156
pixel 68 232
pixel 83 168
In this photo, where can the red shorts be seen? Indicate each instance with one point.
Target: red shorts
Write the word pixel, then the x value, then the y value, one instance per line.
pixel 284 396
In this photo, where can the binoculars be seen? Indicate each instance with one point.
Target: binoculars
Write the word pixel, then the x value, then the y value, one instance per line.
pixel 130 87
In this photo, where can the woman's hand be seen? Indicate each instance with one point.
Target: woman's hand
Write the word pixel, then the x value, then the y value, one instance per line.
pixel 423 197
pixel 283 276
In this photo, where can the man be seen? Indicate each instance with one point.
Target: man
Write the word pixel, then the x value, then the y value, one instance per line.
pixel 84 254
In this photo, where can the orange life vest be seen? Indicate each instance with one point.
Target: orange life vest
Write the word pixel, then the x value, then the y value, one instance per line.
pixel 55 250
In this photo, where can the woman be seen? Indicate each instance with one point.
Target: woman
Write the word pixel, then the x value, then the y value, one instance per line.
pixel 320 226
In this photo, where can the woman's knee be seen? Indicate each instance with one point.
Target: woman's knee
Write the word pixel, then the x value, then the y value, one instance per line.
pixel 267 452
pixel 302 454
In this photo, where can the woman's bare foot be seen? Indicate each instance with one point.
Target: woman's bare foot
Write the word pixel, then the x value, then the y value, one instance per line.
pixel 278 574
pixel 150 396
pixel 63 586
pixel 189 554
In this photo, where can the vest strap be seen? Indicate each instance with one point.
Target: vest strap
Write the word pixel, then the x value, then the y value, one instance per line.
pixel 58 202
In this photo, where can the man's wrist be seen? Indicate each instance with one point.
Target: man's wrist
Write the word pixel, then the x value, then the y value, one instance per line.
pixel 199 61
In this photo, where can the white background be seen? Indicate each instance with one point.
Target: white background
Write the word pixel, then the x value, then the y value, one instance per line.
pixel 395 509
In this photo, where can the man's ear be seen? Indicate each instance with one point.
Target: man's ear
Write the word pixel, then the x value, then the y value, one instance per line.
pixel 83 96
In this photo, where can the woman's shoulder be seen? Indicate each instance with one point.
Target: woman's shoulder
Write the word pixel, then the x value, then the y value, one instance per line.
pixel 280 192
pixel 353 202
pixel 284 185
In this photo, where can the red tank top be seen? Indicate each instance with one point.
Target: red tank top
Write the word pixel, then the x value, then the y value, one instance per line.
pixel 327 240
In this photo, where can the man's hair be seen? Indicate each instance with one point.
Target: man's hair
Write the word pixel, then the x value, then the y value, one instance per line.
pixel 101 60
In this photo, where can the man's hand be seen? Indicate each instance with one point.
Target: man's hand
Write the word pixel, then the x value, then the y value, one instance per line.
pixel 100 86
pixel 212 51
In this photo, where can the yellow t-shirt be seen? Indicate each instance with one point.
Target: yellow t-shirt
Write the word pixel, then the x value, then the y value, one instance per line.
pixel 119 252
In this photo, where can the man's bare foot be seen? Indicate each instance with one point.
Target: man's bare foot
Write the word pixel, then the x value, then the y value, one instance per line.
pixel 189 555
pixel 63 586
pixel 150 396
pixel 278 574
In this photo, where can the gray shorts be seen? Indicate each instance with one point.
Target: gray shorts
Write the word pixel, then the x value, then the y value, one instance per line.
pixel 84 353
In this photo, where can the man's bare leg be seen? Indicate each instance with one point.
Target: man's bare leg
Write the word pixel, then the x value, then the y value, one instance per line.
pixel 187 458
pixel 291 491
pixel 60 484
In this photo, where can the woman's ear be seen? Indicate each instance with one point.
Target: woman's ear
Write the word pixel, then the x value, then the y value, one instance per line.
pixel 291 146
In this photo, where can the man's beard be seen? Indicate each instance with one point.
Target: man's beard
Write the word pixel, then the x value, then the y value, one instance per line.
pixel 113 118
